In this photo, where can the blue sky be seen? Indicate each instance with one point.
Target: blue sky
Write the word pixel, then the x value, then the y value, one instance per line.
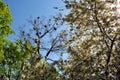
pixel 24 9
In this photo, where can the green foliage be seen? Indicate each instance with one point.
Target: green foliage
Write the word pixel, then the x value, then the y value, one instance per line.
pixel 5 29
pixel 5 19
pixel 10 57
